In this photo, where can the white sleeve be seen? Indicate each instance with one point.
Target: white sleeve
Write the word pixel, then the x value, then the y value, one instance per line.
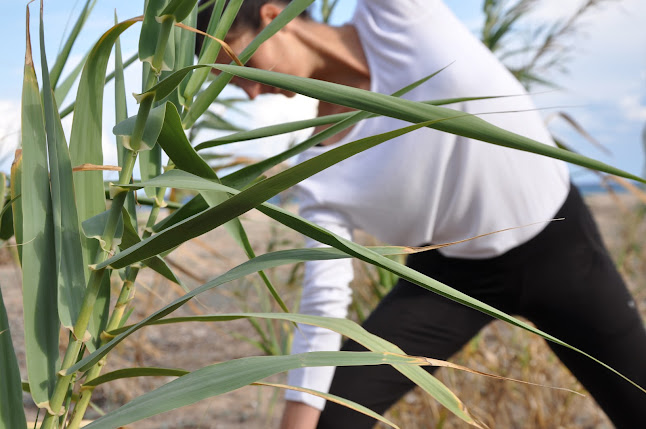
pixel 390 14
pixel 326 292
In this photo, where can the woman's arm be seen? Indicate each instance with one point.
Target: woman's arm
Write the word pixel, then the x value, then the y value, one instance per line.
pixel 298 415
pixel 326 292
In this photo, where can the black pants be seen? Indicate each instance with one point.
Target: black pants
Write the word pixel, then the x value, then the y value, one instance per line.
pixel 562 280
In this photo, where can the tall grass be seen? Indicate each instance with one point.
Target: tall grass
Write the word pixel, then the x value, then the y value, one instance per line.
pixel 75 238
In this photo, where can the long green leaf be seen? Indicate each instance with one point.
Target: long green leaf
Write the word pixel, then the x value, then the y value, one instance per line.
pixel 135 372
pixel 6 221
pixel 172 372
pixel 448 120
pixel 441 118
pixel 11 408
pixel 85 140
pixel 183 179
pixel 227 376
pixel 39 260
pixel 244 176
pixel 64 88
pixel 194 206
pixel 3 196
pixel 273 130
pixel 62 57
pixel 185 51
pixel 16 205
pixel 70 274
pixel 289 127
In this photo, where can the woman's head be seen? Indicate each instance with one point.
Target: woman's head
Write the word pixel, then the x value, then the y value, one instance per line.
pixel 283 52
pixel 248 18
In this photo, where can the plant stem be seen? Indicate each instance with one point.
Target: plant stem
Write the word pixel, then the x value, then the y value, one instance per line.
pixel 125 297
pixel 164 33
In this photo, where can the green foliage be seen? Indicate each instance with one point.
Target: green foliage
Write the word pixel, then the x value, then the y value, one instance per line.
pixel 51 207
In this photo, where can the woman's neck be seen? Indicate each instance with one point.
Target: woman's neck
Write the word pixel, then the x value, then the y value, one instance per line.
pixel 337 54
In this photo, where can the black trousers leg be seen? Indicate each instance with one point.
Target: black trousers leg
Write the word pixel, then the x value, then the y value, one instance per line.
pixel 577 295
pixel 421 323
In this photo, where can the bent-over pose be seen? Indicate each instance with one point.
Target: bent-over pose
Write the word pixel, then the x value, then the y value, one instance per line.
pixel 432 187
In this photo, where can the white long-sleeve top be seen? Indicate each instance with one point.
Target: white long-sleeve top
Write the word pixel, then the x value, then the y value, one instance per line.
pixel 426 186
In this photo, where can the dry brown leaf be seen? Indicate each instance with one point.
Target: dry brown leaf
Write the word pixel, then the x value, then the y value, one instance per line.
pixel 94 167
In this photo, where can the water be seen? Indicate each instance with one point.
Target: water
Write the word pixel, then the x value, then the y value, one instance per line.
pixel 597 188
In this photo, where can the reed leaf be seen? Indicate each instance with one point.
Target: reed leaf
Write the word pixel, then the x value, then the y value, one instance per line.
pixel 172 372
pixel 70 108
pixel 11 407
pixel 64 88
pixel 62 56
pixel 41 320
pixel 185 51
pixel 244 201
pixel 289 127
pixel 227 376
pixel 85 141
pixel 16 205
pixel 135 372
pixel 67 237
pixel 4 203
pixel 244 176
pixel 447 120
pixel 6 213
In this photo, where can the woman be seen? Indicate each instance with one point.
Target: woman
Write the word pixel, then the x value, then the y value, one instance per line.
pixel 428 186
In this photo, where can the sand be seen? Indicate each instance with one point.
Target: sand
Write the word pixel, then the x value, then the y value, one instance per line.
pixel 191 346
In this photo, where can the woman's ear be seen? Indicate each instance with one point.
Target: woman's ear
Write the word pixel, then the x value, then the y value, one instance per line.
pixel 268 12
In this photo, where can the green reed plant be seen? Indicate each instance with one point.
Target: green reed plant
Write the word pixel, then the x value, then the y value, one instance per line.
pixel 73 241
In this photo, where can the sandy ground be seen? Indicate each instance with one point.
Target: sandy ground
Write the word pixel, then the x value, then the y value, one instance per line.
pixel 191 346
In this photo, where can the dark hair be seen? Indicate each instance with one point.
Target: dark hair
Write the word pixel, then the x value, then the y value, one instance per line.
pixel 248 17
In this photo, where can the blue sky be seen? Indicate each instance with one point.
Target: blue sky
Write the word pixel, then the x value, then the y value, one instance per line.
pixel 605 89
